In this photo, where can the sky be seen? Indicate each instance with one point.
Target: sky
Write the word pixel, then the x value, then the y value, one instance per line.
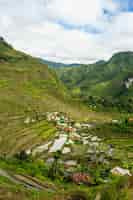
pixel 69 31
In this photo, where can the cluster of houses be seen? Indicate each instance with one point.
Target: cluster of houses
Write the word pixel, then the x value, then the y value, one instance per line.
pixel 70 134
pixel 66 124
pixel 79 132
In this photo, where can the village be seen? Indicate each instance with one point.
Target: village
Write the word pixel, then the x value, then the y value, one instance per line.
pixel 76 149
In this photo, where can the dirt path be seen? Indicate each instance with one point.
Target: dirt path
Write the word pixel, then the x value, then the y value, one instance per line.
pixel 27 181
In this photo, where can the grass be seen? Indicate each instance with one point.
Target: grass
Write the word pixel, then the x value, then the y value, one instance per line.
pixel 27 86
pixel 20 136
pixel 121 137
pixel 10 191
pixel 25 82
pixel 39 170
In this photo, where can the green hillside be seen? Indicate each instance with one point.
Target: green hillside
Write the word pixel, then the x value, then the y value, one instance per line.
pixel 29 89
pixel 103 81
pixel 24 82
pixel 40 122
pixel 26 85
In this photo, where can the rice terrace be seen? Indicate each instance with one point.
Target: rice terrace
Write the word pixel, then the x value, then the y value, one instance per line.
pixel 66 100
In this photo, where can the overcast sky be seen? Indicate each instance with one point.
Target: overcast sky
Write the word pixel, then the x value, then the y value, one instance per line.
pixel 68 30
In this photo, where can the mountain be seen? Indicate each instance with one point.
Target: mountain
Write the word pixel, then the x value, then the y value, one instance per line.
pixel 58 64
pixel 34 130
pixel 29 89
pixel 111 80
pixel 26 83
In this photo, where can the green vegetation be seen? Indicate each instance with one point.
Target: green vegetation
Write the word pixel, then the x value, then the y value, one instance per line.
pixel 11 191
pixel 103 85
pixel 23 136
pixel 28 90
pixel 116 188
pixel 58 65
pixel 26 83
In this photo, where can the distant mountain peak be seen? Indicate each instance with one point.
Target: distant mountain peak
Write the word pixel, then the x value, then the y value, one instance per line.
pixel 100 62
pixel 122 58
pixel 52 64
pixel 122 55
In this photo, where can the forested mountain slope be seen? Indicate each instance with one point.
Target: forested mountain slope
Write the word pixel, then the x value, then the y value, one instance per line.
pixel 111 81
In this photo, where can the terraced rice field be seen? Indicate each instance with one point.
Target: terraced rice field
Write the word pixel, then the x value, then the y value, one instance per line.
pixel 16 135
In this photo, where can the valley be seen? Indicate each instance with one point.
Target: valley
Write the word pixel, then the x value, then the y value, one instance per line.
pixel 67 153
pixel 60 138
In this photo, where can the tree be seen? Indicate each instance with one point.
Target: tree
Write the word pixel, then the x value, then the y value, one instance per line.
pixel 22 155
pixel 53 171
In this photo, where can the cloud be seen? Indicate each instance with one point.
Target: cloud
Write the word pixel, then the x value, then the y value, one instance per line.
pixel 67 30
pixel 81 12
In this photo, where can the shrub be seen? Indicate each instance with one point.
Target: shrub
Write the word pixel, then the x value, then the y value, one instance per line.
pixel 22 155
pixel 78 195
pixel 109 193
